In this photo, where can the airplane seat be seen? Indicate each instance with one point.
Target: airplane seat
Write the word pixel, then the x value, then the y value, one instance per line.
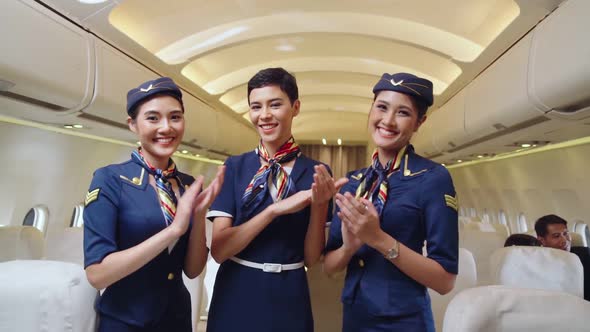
pixel 485 227
pixel 507 309
pixel 21 242
pixel 539 268
pixel 502 229
pixel 464 220
pixel 583 254
pixel 41 295
pixel 481 245
pixel 475 219
pixel 467 278
pixel 68 246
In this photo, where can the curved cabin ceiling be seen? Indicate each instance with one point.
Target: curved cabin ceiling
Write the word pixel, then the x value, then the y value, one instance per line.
pixel 337 49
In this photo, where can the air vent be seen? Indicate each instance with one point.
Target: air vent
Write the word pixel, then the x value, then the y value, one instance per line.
pixel 6 85
pixel 519 126
pixel 500 126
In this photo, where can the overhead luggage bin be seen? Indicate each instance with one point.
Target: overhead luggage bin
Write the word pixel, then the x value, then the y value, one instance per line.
pixel 47 61
pixel 450 124
pixel 116 74
pixel 497 100
pixel 234 137
pixel 559 67
pixel 422 140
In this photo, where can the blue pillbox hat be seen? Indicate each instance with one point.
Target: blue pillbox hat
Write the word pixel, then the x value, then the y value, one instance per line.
pixel 408 84
pixel 162 85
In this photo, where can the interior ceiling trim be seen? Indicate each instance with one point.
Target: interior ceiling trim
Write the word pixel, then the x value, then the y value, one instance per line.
pixel 98 119
pixel 508 130
pixel 374 67
pixel 513 154
pixel 214 64
pixel 33 101
pixel 308 88
pixel 310 103
pixel 239 31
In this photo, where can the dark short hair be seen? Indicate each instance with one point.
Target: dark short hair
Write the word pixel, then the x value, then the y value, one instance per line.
pixel 275 76
pixel 522 240
pixel 420 105
pixel 542 223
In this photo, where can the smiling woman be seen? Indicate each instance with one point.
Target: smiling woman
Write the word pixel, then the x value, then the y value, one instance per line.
pixel 269 219
pixel 385 214
pixel 144 221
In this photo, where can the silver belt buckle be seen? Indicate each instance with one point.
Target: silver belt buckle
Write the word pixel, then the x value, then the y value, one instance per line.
pixel 272 268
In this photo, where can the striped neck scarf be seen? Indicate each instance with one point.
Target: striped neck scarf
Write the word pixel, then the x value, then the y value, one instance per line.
pixel 373 185
pixel 273 170
pixel 167 197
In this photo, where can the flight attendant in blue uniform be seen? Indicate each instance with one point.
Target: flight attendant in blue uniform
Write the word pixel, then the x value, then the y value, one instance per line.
pixel 138 237
pixel 385 214
pixel 269 220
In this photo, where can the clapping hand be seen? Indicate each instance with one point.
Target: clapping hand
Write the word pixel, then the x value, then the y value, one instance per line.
pixel 324 187
pixel 359 217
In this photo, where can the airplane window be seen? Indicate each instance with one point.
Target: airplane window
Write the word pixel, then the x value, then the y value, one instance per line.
pixel 37 217
pixel 485 216
pixel 461 211
pixel 502 218
pixel 29 218
pixel 77 219
pixel 521 223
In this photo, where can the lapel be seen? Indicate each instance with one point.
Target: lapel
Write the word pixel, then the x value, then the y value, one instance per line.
pixel 413 166
pixel 302 163
pixel 134 175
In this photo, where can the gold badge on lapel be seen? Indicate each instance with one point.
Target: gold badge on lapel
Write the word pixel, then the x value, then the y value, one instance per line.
pixel 91 196
pixel 451 201
pixel 358 176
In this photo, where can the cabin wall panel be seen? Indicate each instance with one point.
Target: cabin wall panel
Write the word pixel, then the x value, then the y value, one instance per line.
pixel 43 167
pixel 554 181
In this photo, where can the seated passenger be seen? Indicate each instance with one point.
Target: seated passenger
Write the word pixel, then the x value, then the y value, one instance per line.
pixel 553 233
pixel 522 240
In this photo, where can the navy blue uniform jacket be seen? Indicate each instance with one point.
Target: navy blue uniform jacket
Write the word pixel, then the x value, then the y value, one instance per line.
pixel 248 299
pixel 122 210
pixel 421 206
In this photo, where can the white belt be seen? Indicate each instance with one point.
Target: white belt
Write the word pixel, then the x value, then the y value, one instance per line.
pixel 268 267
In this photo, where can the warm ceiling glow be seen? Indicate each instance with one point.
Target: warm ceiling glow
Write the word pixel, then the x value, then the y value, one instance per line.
pixel 339 141
pixel 285 48
pixel 429 37
pixel 324 141
pixel 235 78
pixel 184 49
